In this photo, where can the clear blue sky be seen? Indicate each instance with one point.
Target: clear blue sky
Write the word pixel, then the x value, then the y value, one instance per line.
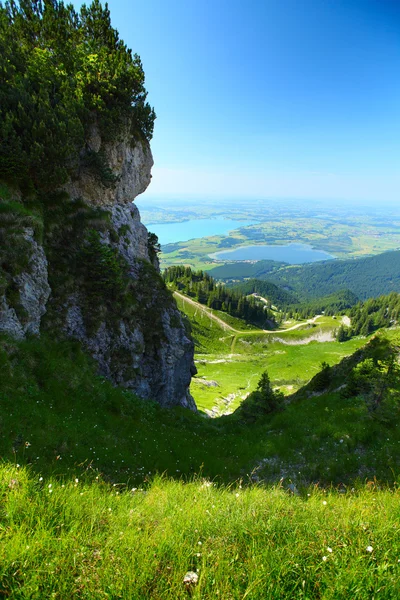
pixel 270 98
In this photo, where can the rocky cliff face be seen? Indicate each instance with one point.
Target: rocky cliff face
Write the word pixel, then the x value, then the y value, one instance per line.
pixel 97 279
pixel 130 164
pixel 32 289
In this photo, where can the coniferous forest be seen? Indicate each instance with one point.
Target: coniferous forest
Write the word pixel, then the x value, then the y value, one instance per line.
pixel 61 72
pixel 204 289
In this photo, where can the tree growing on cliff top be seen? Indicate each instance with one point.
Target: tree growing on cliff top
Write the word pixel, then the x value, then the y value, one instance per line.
pixel 60 72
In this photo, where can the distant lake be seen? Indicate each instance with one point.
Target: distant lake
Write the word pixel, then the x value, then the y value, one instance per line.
pixel 294 254
pixel 170 233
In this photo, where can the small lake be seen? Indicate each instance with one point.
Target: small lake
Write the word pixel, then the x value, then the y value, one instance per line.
pixel 294 254
pixel 170 233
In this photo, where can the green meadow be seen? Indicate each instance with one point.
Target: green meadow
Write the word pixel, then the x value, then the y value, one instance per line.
pixel 106 496
pixel 173 540
pixel 230 364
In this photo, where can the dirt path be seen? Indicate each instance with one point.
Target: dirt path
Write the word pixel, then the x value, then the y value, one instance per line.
pixel 207 312
pixel 227 327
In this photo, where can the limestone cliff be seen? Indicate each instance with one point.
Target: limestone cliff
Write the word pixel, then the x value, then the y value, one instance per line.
pixel 91 274
pixel 31 287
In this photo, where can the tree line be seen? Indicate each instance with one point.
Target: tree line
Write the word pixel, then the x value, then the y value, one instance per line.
pixel 331 305
pixel 366 317
pixel 204 289
pixel 61 72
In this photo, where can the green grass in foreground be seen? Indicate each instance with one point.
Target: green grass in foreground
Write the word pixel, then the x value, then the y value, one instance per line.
pixel 59 417
pixel 89 540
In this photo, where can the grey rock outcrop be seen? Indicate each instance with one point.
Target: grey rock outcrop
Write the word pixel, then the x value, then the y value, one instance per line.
pixel 133 235
pixel 33 291
pixel 138 340
pixel 129 162
pixel 159 371
pixel 157 366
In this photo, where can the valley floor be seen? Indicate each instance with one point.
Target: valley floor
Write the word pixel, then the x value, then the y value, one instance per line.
pixel 231 356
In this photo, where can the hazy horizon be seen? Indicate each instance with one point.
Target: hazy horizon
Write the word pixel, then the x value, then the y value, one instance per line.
pixel 276 98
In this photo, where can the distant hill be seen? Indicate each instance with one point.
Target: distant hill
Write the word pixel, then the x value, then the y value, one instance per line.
pixel 244 270
pixel 272 292
pixel 331 304
pixel 365 277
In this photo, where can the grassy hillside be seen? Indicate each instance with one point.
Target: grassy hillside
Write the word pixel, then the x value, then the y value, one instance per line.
pixel 85 516
pixel 61 418
pixel 172 540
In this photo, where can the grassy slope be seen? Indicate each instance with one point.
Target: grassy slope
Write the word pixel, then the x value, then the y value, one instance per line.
pixel 62 419
pixel 67 531
pixel 89 541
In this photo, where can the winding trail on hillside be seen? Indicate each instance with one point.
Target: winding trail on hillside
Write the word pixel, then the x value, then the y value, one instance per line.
pixel 227 327
pixel 223 404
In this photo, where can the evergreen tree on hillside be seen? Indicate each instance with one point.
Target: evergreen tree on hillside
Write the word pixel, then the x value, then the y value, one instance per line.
pixel 263 401
pixel 376 376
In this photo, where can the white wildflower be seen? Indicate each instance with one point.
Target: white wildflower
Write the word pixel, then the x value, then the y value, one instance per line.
pixel 191 578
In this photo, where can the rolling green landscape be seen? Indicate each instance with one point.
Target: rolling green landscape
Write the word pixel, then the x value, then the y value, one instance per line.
pixel 211 429
pixel 344 236
pixel 229 363
pixel 314 485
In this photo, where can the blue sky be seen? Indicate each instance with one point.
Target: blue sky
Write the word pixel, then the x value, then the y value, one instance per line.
pixel 270 98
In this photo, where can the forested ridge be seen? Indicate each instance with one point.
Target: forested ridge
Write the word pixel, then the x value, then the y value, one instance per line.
pixel 366 277
pixel 271 291
pixel 333 304
pixel 366 317
pixel 204 289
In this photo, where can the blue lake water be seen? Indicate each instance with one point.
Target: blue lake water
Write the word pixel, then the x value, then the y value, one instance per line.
pixel 294 254
pixel 170 233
